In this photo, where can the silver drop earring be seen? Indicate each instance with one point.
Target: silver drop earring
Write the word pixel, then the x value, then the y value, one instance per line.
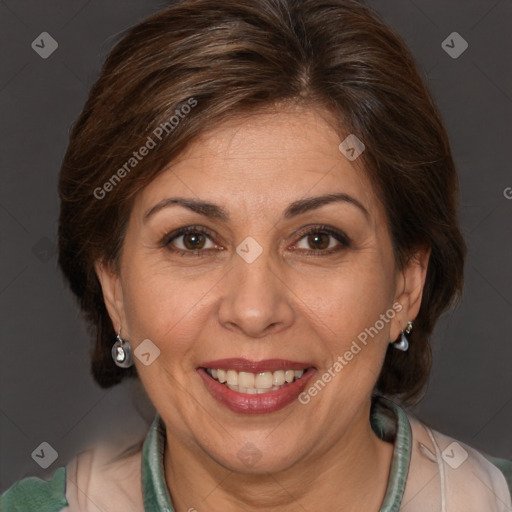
pixel 403 344
pixel 121 352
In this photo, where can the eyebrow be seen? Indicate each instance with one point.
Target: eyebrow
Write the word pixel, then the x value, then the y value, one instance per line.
pixel 311 203
pixel 196 205
pixel 216 212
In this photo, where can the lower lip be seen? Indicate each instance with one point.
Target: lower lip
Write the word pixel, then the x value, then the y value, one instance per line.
pixel 256 404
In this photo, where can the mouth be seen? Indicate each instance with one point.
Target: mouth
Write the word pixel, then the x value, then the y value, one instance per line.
pixel 255 387
pixel 255 383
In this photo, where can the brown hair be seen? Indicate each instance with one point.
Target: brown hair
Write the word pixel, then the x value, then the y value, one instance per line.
pixel 236 57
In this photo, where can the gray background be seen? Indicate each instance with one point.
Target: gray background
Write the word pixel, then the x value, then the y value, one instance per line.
pixel 46 392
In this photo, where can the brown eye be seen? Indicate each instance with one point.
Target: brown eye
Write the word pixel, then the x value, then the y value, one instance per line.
pixel 322 240
pixel 189 240
pixel 319 240
pixel 194 241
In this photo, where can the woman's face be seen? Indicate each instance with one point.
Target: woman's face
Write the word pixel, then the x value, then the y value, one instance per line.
pixel 247 290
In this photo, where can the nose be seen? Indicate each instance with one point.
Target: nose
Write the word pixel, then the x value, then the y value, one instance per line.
pixel 256 301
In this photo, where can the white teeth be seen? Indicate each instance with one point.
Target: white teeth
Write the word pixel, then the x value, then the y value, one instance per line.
pixel 232 377
pixel 252 391
pixel 278 379
pixel 263 380
pixel 255 383
pixel 246 380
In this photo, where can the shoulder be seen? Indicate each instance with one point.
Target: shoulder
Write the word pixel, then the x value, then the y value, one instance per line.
pixel 104 476
pixel 36 495
pixel 446 474
pixel 504 465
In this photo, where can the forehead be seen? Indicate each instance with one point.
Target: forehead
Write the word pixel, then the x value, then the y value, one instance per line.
pixel 262 161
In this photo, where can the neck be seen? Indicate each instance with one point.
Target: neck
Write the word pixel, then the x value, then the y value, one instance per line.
pixel 352 475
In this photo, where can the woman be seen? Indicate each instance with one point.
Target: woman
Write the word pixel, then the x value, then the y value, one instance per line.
pixel 259 219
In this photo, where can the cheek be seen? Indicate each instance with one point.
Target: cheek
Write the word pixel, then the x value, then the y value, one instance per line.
pixel 353 297
pixel 354 315
pixel 352 337
pixel 161 304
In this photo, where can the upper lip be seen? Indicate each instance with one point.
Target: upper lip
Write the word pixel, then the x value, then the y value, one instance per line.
pixel 265 365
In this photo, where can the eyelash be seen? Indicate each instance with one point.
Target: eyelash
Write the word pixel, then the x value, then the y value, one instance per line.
pixel 343 239
pixel 168 238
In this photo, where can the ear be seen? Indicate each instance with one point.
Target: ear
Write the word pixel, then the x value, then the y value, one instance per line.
pixel 112 295
pixel 409 290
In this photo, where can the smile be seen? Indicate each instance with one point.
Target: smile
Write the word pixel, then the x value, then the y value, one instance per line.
pixel 255 383
pixel 255 387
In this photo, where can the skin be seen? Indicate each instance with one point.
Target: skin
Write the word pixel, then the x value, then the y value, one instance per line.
pixel 286 304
